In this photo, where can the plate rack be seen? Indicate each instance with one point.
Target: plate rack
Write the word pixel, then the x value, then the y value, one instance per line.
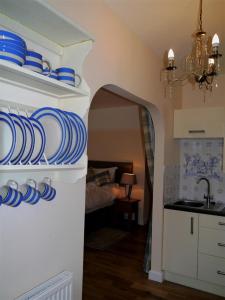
pixel 25 91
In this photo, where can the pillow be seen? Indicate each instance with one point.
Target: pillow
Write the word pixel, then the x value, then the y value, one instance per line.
pixel 102 178
pixel 112 172
pixel 90 175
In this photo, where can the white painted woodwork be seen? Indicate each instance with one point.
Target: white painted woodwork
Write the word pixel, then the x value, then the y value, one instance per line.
pixel 180 243
pixel 214 222
pixel 199 123
pixel 212 241
pixel 44 19
pixel 211 269
pixel 28 79
pixel 22 91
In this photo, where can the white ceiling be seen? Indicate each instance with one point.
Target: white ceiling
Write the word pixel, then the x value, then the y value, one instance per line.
pixel 164 24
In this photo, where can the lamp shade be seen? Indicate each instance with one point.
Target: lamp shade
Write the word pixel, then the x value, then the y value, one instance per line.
pixel 128 178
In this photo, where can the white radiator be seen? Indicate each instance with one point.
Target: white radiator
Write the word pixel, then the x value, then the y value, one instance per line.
pixel 56 288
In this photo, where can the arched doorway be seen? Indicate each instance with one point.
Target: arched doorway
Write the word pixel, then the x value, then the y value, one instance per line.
pixel 158 175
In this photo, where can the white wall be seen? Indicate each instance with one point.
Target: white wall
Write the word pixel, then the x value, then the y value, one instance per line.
pixel 114 134
pixel 121 59
pixel 193 97
pixel 40 241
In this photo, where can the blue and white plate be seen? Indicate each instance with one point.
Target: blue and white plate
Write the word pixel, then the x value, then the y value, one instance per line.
pixel 40 141
pixel 55 129
pixel 21 139
pixel 7 137
pixel 83 137
pixel 30 141
pixel 76 139
pixel 68 138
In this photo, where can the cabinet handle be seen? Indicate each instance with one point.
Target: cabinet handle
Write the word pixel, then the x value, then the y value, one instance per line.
pixel 197 131
pixel 221 223
pixel 192 225
pixel 220 273
pixel 221 244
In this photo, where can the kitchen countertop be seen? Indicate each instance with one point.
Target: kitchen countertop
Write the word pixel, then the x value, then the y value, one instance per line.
pixel 195 209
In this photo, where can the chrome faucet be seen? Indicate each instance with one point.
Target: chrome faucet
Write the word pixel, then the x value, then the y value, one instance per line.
pixel 207 197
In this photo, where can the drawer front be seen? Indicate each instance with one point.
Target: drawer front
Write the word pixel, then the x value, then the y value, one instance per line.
pixel 211 269
pixel 212 222
pixel 212 241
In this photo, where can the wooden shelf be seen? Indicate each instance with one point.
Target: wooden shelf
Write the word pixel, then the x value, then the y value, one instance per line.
pixel 20 76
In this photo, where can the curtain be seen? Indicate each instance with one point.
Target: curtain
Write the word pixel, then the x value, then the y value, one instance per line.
pixel 149 145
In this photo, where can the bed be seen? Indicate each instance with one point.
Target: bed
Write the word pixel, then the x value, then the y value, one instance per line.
pixel 100 199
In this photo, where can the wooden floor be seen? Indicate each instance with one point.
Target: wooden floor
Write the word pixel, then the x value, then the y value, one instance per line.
pixel 117 274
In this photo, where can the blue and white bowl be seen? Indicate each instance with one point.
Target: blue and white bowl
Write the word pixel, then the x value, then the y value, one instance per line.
pixel 12 55
pixel 7 35
pixel 13 44
pixel 12 47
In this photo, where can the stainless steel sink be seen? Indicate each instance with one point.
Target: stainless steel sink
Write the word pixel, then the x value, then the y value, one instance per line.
pixel 214 206
pixel 189 203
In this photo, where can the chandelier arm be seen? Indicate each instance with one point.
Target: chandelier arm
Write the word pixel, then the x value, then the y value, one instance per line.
pixel 200 16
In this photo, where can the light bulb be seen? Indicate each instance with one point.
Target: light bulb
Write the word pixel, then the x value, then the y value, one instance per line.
pixel 215 40
pixel 211 61
pixel 171 54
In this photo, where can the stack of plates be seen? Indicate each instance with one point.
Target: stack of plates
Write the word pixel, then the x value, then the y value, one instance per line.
pixel 12 47
pixel 49 136
pixel 23 139
pixel 66 135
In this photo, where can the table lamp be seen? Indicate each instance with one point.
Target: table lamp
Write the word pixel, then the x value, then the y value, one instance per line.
pixel 128 179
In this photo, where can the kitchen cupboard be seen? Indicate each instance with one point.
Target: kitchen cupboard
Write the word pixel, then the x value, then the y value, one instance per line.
pixel 199 123
pixel 194 250
pixel 180 242
pixel 211 250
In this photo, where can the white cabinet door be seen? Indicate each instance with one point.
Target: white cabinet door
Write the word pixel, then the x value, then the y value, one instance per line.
pixel 199 123
pixel 180 242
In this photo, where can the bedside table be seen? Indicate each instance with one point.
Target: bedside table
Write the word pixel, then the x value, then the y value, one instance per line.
pixel 126 206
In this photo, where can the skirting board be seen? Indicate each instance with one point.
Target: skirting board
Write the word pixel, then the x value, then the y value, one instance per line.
pixel 195 283
pixel 155 276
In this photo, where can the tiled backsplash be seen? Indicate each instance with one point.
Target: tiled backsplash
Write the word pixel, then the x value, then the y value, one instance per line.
pixel 198 158
pixel 171 183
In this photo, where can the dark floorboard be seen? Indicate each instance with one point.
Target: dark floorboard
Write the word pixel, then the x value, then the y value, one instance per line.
pixel 117 274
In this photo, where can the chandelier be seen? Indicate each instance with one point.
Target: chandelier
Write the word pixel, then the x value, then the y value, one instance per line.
pixel 200 66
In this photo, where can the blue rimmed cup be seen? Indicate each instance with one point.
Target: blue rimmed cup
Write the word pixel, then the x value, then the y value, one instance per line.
pixel 34 61
pixel 68 76
pixel 46 190
pixel 31 194
pixel 50 73
pixel 10 194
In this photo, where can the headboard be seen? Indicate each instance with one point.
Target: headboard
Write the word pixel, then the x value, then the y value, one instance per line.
pixel 123 167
